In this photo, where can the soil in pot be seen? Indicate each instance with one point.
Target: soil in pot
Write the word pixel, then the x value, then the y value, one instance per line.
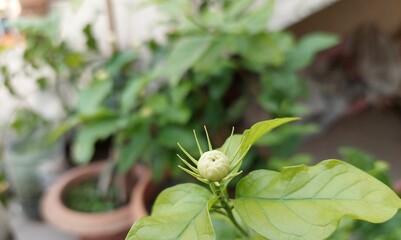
pixel 84 197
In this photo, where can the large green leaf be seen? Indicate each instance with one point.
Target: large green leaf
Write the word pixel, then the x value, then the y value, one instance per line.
pixel 307 202
pixel 250 136
pixel 185 53
pixel 180 212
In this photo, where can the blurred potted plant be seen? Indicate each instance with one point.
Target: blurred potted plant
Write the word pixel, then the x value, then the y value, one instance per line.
pixel 93 201
pixel 32 161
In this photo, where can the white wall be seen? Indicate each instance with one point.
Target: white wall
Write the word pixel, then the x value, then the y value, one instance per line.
pixel 134 23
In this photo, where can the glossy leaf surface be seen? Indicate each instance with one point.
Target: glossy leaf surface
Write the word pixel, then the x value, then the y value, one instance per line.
pixel 307 202
pixel 180 212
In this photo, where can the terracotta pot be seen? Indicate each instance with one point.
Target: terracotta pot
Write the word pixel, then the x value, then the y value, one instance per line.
pixel 99 226
pixel 144 196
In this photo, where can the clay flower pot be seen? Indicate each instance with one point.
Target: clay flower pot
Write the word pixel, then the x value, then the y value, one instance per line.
pixel 99 226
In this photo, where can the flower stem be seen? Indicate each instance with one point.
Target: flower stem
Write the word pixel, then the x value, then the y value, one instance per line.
pixel 228 210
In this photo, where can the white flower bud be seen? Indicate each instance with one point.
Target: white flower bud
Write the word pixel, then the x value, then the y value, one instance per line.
pixel 213 165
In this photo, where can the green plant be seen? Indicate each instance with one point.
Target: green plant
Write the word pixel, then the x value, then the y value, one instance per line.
pixel 220 55
pixel 48 60
pixel 53 66
pixel 225 43
pixel 209 72
pixel 46 67
pixel 300 202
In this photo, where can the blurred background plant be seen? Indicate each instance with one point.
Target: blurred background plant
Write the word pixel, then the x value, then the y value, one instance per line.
pixel 237 72
pixel 42 86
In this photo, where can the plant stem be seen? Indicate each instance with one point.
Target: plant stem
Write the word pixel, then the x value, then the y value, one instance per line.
pixel 224 202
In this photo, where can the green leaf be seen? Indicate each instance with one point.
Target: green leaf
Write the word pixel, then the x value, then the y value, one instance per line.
pixel 302 55
pixel 175 114
pixel 83 147
pixel 224 228
pixel 265 48
pixel 250 136
pixel 7 80
pixel 131 152
pixel 168 133
pixel 277 163
pixel 131 93
pixel 42 83
pixel 216 57
pixel 180 212
pixel 180 92
pixel 307 202
pixel 73 60
pixel 157 103
pixel 91 97
pixel 119 61
pixel 253 19
pixel 61 129
pixel 185 53
pixel 91 43
pixel 236 8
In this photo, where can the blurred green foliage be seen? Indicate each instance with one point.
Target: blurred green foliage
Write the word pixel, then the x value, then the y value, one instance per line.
pixel 219 60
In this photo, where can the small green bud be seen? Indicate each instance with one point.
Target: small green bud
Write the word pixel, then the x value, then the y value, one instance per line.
pixel 213 166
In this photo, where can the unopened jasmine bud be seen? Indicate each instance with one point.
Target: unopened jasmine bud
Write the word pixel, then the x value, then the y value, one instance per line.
pixel 213 165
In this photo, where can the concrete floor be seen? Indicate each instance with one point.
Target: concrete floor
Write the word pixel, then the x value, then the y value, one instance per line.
pixel 27 229
pixel 378 132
